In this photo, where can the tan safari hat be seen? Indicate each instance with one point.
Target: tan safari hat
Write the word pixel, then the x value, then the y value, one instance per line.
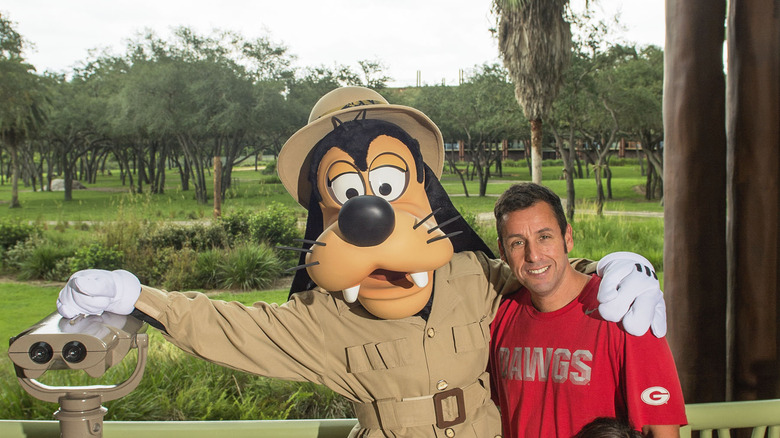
pixel 346 103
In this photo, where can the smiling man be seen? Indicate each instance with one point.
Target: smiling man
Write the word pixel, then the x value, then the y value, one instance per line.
pixel 555 363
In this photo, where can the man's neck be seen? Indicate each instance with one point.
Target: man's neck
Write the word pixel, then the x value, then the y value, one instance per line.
pixel 568 291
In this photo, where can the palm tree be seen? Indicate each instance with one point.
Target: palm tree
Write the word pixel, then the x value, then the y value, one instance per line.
pixel 535 42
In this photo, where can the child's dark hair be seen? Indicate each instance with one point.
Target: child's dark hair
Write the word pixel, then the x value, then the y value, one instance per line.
pixel 608 427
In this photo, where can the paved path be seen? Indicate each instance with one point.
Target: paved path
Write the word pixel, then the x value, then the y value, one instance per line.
pixel 488 217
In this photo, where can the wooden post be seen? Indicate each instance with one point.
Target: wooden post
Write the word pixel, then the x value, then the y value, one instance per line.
pixel 217 187
pixel 695 195
pixel 754 197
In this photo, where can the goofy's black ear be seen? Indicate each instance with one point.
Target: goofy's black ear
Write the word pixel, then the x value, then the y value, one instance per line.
pixel 360 116
pixel 468 239
pixel 302 281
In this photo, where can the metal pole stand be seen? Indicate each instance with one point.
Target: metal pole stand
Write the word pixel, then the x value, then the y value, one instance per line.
pixel 81 412
pixel 81 416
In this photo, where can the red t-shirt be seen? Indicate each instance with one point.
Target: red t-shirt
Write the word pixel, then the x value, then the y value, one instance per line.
pixel 554 372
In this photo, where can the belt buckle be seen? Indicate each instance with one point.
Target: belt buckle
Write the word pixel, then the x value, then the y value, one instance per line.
pixel 438 398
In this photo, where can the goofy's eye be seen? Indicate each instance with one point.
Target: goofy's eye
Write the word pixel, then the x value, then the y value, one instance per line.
pixel 347 186
pixel 388 182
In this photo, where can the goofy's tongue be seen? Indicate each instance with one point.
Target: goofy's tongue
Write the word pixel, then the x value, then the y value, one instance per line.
pixel 420 279
pixel 387 275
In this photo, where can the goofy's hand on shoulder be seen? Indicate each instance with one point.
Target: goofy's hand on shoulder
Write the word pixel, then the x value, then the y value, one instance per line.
pixel 630 292
pixel 94 291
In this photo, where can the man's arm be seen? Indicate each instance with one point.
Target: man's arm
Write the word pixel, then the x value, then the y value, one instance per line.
pixel 661 430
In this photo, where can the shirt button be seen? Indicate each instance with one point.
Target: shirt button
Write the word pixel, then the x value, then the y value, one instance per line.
pixel 441 385
pixel 497 436
pixel 449 432
pixel 431 332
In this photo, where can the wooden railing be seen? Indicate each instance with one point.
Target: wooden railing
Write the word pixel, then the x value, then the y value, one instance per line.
pixel 706 420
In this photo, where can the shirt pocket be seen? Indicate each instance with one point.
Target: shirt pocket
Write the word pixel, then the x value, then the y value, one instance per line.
pixel 378 356
pixel 470 337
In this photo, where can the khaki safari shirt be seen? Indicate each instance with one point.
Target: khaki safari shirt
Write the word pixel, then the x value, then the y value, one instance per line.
pixel 407 377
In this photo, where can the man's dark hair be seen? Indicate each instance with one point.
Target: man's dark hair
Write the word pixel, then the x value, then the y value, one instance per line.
pixel 525 195
pixel 607 427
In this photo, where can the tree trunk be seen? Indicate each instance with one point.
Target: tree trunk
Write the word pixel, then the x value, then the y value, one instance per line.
pixel 753 122
pixel 14 176
pixel 570 195
pixel 67 176
pixel 536 151
pixel 695 184
pixel 460 175
pixel 599 191
pixel 217 187
pixel 567 155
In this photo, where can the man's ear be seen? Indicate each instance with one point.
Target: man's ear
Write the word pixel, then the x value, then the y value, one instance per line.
pixel 568 239
pixel 501 249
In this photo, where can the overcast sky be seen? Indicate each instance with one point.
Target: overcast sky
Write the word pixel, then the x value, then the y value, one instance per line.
pixel 436 37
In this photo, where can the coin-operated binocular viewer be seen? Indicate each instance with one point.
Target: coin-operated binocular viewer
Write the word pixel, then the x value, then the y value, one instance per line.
pixel 91 343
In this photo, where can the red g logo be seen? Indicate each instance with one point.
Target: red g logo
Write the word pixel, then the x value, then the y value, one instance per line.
pixel 655 396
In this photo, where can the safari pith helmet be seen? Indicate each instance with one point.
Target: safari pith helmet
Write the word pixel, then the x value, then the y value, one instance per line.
pixel 345 104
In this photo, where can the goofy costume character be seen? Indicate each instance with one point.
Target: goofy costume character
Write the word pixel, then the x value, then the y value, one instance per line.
pixel 392 301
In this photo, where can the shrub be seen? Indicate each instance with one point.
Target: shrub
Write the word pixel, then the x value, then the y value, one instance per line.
pixel 249 266
pixel 236 224
pixel 209 236
pixel 12 233
pixel 207 268
pixel 96 256
pixel 40 259
pixel 195 236
pixel 147 263
pixel 170 236
pixel 269 169
pixel 276 225
pixel 180 274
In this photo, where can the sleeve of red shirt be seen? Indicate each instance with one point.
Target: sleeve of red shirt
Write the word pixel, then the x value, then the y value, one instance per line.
pixel 653 392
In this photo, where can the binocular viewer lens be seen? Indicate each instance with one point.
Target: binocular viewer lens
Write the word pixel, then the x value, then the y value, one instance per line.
pixel 41 352
pixel 73 352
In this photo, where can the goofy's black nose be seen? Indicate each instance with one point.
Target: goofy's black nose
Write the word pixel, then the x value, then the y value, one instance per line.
pixel 366 220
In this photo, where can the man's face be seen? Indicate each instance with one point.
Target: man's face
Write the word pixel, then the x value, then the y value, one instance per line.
pixel 533 246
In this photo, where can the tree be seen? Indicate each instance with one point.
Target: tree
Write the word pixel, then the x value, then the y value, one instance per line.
pixel 640 77
pixel 202 94
pixel 567 119
pixel 571 109
pixel 73 128
pixel 23 103
pixel 480 113
pixel 535 42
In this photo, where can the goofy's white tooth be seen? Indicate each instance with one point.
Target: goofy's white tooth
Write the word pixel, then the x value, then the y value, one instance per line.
pixel 351 293
pixel 420 278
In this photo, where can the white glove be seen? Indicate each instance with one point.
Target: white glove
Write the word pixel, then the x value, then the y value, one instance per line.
pixel 94 291
pixel 629 280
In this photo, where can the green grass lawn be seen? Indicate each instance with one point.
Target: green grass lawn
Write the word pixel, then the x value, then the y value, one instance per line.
pixel 107 199
pixel 23 304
